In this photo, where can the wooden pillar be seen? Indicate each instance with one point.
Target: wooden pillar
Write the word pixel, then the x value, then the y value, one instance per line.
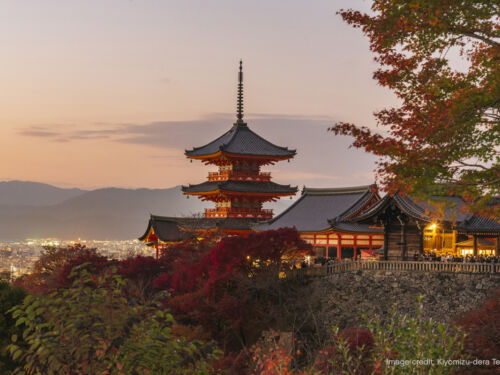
pixel 497 253
pixel 370 240
pixel 403 242
pixel 339 247
pixel 386 241
pixel 156 246
pixel 355 246
pixel 327 243
pixel 475 244
pixel 421 241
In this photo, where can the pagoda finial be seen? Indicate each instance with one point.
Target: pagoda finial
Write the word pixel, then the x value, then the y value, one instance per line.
pixel 239 106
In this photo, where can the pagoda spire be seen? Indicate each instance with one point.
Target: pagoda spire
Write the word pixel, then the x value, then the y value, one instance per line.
pixel 239 106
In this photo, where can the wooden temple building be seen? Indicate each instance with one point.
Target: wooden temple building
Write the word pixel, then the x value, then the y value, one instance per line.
pixel 323 218
pixel 412 228
pixel 339 222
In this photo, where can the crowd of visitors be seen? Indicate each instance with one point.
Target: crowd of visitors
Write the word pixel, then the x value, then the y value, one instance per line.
pixel 428 257
pixel 431 257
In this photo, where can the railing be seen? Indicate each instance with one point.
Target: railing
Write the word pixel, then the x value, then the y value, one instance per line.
pixel 340 267
pixel 239 176
pixel 238 213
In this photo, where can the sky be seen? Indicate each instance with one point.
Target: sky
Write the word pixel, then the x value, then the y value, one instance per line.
pixel 99 93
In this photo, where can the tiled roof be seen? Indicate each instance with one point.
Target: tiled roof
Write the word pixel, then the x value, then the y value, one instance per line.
pixel 313 210
pixel 480 242
pixel 173 229
pixel 477 223
pixel 405 204
pixel 241 186
pixel 453 213
pixel 165 228
pixel 355 227
pixel 241 140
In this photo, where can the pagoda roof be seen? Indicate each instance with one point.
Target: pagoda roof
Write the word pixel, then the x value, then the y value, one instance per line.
pixel 256 187
pixel 174 229
pixel 317 208
pixel 241 140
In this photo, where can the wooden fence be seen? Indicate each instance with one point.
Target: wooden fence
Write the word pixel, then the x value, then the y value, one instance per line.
pixel 491 268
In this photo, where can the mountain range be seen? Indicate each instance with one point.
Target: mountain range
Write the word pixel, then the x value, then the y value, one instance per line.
pixel 36 210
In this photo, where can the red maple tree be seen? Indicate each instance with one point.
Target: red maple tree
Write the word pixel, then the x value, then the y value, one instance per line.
pixel 444 138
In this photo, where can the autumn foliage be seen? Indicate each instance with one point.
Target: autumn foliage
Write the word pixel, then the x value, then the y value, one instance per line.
pixel 54 265
pixel 482 327
pixel 217 286
pixel 442 61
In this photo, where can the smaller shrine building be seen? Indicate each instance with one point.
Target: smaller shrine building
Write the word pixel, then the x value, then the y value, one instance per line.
pixel 413 228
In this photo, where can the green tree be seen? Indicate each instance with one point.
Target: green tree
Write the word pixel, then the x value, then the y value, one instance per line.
pixel 90 328
pixel 9 297
pixel 444 138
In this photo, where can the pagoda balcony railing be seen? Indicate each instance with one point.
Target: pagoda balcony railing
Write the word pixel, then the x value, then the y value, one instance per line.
pixel 239 176
pixel 240 213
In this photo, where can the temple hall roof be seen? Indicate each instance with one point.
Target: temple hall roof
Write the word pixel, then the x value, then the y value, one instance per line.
pixel 314 210
pixel 478 224
pixel 452 211
pixel 261 187
pixel 173 229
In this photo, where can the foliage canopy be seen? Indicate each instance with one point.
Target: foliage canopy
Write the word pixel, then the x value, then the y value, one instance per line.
pixel 441 58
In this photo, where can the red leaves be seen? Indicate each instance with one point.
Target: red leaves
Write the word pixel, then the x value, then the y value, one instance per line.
pixel 209 285
pixel 95 263
pixel 140 266
pixel 482 327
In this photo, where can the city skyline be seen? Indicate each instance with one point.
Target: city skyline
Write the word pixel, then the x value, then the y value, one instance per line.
pixel 115 96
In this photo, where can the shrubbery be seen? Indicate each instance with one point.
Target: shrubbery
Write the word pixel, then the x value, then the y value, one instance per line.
pixel 98 316
pixel 90 328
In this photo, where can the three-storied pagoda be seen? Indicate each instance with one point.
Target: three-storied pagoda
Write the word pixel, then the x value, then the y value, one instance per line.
pixel 239 188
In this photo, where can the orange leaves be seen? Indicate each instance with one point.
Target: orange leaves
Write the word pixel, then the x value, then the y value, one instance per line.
pixel 445 116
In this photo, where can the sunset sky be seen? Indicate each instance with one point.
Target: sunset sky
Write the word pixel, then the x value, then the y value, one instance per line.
pixel 110 92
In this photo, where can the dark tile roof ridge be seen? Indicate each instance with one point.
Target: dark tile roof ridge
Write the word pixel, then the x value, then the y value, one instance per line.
pixel 223 184
pixel 410 207
pixel 187 152
pixel 373 209
pixel 173 218
pixel 356 206
pixel 235 129
pixel 247 128
pixel 336 191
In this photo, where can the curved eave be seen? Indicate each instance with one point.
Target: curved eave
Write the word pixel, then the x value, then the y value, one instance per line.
pixel 357 207
pixel 230 192
pixel 223 154
pixel 485 232
pixel 146 236
pixel 311 231
pixel 382 204
pixel 344 230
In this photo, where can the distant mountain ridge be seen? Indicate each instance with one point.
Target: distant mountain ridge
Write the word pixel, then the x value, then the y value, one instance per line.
pixel 27 193
pixel 107 213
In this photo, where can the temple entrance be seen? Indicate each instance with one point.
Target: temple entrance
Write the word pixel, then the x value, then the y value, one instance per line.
pixel 347 252
pixel 332 252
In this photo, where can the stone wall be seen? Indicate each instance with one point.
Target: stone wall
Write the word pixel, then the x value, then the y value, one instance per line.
pixel 342 298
